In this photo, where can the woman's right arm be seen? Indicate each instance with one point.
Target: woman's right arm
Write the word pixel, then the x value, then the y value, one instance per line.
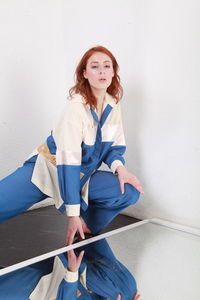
pixel 68 135
pixel 69 285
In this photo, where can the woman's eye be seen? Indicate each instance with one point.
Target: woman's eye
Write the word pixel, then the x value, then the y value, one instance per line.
pixel 106 66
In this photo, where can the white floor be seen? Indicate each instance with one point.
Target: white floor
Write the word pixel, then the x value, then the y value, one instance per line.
pixel 164 261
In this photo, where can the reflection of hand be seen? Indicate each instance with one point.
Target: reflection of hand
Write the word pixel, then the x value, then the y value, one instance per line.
pixel 135 298
pixel 126 177
pixel 74 225
pixel 73 261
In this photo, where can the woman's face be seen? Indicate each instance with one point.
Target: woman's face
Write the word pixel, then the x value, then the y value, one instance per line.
pixel 99 71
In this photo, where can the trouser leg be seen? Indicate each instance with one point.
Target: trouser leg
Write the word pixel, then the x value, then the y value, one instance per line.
pixel 106 200
pixel 18 193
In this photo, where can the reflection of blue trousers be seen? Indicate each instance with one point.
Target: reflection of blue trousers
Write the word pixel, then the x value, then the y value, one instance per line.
pixel 17 193
pixel 106 277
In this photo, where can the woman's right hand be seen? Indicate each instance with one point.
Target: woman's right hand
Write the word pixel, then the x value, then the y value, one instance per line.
pixel 74 225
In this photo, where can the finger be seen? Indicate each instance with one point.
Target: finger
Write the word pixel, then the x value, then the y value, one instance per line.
pixel 135 181
pixel 80 257
pixel 86 229
pixel 70 238
pixel 137 185
pixel 142 192
pixel 81 232
pixel 70 254
pixel 139 188
pixel 119 297
pixel 67 239
pixel 122 186
pixel 136 296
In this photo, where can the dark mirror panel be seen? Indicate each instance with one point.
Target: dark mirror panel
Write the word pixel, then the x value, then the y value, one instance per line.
pixel 148 253
pixel 37 232
pixel 95 273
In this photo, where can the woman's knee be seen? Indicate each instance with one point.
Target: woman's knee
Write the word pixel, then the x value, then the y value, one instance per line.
pixel 131 194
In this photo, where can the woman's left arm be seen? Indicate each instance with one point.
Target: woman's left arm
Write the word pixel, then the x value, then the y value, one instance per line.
pixel 114 158
pixel 115 135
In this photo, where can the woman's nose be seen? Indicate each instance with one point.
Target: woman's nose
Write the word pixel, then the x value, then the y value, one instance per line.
pixel 101 70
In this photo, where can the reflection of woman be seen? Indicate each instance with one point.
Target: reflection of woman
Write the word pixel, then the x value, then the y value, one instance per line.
pixel 86 133
pixel 99 276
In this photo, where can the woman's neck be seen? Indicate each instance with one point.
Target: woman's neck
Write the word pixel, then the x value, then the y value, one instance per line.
pixel 100 96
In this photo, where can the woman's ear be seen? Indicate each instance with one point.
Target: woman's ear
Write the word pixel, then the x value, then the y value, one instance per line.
pixel 84 74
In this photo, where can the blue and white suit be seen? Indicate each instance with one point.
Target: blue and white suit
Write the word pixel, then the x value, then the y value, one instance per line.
pixel 66 166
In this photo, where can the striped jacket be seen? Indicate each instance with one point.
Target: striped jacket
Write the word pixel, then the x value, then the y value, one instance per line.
pixel 77 146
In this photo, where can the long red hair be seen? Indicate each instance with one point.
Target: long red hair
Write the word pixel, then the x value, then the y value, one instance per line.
pixel 82 85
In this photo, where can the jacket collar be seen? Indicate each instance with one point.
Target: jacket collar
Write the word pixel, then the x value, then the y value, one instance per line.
pixel 108 100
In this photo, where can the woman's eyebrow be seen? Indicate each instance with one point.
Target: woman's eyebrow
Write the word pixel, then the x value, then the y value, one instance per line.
pixel 96 62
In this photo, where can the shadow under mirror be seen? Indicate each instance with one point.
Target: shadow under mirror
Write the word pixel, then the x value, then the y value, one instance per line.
pixel 89 272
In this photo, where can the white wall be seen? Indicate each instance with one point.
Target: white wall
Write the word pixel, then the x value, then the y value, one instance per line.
pixel 156 44
pixel 32 76
pixel 163 91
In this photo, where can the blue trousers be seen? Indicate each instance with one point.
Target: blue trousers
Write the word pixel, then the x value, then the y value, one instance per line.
pixel 18 193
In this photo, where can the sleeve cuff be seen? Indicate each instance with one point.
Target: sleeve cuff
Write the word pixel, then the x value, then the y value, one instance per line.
pixel 115 164
pixel 73 210
pixel 71 276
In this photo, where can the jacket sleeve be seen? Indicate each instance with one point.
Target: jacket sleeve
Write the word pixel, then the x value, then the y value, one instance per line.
pixel 67 133
pixel 114 156
pixel 68 288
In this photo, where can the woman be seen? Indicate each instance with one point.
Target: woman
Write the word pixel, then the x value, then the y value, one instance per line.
pixel 86 133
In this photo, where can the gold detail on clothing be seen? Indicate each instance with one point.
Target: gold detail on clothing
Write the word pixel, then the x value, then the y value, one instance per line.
pixel 81 175
pixel 89 291
pixel 78 293
pixel 44 150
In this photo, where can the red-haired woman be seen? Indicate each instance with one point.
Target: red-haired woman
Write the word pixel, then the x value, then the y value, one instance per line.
pixel 86 133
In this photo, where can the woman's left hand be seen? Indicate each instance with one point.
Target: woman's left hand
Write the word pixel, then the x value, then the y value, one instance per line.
pixel 126 177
